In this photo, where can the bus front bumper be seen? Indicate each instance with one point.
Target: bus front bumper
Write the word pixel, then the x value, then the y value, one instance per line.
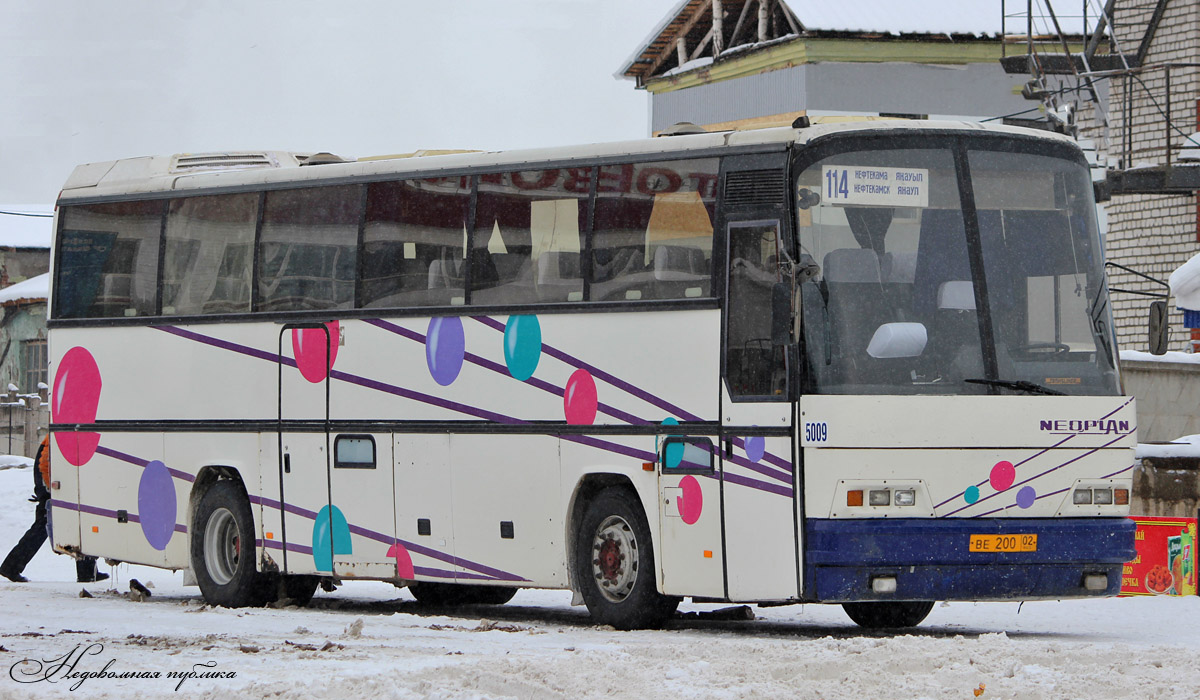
pixel 931 559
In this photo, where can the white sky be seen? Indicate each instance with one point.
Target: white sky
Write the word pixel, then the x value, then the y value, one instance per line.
pixel 85 81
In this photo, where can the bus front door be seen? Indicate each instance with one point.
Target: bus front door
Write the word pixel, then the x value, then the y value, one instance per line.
pixel 757 466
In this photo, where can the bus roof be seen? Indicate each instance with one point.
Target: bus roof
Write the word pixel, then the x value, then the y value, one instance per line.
pixel 194 173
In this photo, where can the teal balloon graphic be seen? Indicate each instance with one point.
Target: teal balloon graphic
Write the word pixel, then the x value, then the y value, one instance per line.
pixel 673 454
pixel 330 523
pixel 522 346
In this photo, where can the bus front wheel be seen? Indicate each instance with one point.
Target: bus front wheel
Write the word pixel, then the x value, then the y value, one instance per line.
pixel 222 549
pixel 614 564
pixel 888 614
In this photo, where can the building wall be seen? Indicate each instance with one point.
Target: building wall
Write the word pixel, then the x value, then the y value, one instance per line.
pixel 1152 234
pixel 19 264
pixel 975 89
pixel 20 324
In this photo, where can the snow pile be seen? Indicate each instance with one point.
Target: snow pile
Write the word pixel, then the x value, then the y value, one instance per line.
pixel 33 289
pixel 1186 446
pixel 371 640
pixel 1170 356
pixel 1185 284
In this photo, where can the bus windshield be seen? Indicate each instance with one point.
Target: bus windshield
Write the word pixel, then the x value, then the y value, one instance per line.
pixel 967 269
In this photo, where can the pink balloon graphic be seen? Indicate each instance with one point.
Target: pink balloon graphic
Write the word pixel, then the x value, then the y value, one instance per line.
pixel 75 398
pixel 404 565
pixel 310 348
pixel 691 503
pixel 579 398
pixel 1003 475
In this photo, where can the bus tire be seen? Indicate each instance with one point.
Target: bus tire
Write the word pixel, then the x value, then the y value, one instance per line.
pixel 298 589
pixel 222 549
pixel 450 594
pixel 614 564
pixel 889 614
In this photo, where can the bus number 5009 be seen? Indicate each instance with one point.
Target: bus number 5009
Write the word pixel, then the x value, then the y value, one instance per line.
pixel 816 432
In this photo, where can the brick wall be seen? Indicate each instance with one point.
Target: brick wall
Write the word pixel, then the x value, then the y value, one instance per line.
pixel 1153 234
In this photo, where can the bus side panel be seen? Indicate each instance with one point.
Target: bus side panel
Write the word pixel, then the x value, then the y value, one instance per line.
pixel 424 510
pixel 64 500
pixel 133 506
pixel 760 527
pixel 505 510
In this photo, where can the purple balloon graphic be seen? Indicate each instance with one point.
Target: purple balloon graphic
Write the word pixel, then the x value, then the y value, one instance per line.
pixel 755 447
pixel 1026 497
pixel 445 348
pixel 156 504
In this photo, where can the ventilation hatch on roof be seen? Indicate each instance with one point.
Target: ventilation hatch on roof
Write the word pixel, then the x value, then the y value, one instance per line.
pixel 755 188
pixel 190 162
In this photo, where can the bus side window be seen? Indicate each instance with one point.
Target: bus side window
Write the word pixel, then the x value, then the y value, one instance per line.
pixel 653 231
pixel 207 260
pixel 413 242
pixel 308 248
pixel 527 228
pixel 354 452
pixel 683 455
pixel 108 260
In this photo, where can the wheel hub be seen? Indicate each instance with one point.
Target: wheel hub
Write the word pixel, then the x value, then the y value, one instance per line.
pixel 615 558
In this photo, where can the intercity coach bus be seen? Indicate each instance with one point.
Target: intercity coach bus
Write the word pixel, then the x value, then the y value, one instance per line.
pixel 869 364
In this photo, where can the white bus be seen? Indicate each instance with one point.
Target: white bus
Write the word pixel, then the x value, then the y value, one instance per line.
pixel 868 364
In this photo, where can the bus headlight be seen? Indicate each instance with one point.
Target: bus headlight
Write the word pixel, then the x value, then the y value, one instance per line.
pixel 1082 497
pixel 1102 497
pixel 906 497
pixel 880 498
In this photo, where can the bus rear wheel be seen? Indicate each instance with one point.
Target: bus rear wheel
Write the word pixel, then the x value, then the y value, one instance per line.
pixel 614 564
pixel 222 549
pixel 889 614
pixel 428 593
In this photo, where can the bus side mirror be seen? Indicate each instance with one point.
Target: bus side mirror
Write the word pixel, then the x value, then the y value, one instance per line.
pixel 781 314
pixel 1160 330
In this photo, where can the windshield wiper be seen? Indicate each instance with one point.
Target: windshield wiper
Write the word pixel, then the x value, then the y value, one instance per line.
pixel 1018 384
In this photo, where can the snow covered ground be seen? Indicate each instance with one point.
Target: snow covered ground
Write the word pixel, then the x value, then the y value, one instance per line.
pixel 372 640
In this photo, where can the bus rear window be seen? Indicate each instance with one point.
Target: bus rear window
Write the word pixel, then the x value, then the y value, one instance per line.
pixel 108 260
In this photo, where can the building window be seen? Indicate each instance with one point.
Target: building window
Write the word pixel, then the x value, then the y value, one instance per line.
pixel 33 364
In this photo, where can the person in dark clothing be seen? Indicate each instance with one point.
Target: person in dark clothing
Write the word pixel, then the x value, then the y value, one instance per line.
pixel 31 541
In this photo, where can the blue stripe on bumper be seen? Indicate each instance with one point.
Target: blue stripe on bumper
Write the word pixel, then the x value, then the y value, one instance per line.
pixel 931 559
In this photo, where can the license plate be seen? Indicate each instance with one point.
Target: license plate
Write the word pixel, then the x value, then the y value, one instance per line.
pixel 1003 543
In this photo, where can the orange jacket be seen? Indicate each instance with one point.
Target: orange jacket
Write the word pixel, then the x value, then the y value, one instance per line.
pixel 43 460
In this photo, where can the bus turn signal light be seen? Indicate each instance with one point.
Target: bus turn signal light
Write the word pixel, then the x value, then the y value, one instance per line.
pixel 1121 497
pixel 854 498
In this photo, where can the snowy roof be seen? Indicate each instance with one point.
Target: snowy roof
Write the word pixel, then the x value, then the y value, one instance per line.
pixel 868 17
pixel 34 289
pixel 26 225
pixel 1186 446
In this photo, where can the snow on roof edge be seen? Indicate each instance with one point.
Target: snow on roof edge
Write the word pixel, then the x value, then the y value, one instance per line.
pixel 34 289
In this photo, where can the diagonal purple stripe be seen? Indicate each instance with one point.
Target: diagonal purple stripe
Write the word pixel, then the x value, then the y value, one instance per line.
pixel 642 455
pixel 759 485
pixel 501 369
pixel 424 398
pixel 600 374
pixel 138 461
pixel 1036 476
pixel 1045 495
pixel 1119 471
pixel 1044 451
pixel 387 539
pixel 226 345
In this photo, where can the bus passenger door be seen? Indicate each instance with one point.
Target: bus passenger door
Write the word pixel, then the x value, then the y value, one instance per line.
pixel 313 529
pixel 757 469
